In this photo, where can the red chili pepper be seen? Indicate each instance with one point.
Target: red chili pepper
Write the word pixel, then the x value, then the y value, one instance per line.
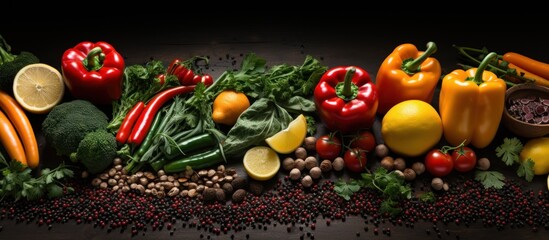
pixel 144 122
pixel 128 122
pixel 206 79
pixel 93 71
pixel 346 99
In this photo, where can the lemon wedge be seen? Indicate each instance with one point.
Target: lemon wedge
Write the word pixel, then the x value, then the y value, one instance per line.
pixel 289 139
pixel 38 87
pixel 261 163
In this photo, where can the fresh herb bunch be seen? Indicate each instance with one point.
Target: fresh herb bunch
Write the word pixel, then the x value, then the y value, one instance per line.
pixel 509 152
pixel 17 181
pixel 392 187
pixel 140 83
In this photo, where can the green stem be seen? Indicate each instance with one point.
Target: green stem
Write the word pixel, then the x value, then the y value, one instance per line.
pixel 94 60
pixel 347 83
pixel 412 67
pixel 480 70
pixel 446 149
pixel 5 56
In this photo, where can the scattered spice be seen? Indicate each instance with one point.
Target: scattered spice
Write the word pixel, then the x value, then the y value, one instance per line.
pixel 288 163
pixel 388 163
pixel 418 167
pixel 437 183
pixel 300 152
pixel 310 143
pixel 400 164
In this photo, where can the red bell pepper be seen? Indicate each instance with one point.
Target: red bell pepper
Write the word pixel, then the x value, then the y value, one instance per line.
pixel 93 71
pixel 346 99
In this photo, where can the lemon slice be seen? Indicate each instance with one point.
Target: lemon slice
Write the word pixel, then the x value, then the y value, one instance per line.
pixel 289 139
pixel 38 87
pixel 261 163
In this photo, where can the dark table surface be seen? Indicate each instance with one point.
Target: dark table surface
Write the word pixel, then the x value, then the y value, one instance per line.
pixel 360 41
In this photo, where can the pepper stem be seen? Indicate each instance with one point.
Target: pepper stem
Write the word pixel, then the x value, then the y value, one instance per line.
pixel 480 70
pixel 412 67
pixel 347 91
pixel 94 60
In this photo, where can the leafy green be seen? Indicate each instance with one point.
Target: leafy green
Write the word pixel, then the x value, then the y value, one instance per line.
pixel 140 83
pixel 526 170
pixel 347 189
pixel 427 197
pixel 391 186
pixel 509 151
pixel 261 120
pixel 17 182
pixel 490 179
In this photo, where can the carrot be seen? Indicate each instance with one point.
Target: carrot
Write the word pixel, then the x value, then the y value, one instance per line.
pixel 528 64
pixel 10 140
pixel 23 126
pixel 537 79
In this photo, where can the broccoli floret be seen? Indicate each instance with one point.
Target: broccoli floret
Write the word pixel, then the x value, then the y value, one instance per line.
pixel 10 64
pixel 96 151
pixel 69 122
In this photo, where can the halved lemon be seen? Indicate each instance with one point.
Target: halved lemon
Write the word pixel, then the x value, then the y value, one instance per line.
pixel 289 139
pixel 38 87
pixel 261 163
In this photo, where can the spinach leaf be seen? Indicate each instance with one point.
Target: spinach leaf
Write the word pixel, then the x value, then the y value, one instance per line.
pixel 298 104
pixel 261 120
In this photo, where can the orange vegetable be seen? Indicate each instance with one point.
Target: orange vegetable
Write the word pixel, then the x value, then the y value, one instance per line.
pixel 537 79
pixel 23 126
pixel 528 64
pixel 10 140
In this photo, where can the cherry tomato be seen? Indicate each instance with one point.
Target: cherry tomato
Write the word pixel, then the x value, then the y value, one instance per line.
pixel 206 79
pixel 365 140
pixel 355 160
pixel 438 163
pixel 464 159
pixel 186 77
pixel 174 66
pixel 328 147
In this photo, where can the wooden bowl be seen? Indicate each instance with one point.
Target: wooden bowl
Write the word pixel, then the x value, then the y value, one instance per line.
pixel 519 127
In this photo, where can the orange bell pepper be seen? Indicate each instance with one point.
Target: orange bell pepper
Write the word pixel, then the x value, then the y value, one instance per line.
pixel 471 105
pixel 407 74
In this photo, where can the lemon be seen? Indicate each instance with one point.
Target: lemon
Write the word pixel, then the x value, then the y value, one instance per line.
pixel 411 128
pixel 261 163
pixel 289 139
pixel 537 150
pixel 38 87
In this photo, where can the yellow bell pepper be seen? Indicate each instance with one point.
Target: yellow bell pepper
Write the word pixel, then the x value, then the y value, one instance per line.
pixel 471 105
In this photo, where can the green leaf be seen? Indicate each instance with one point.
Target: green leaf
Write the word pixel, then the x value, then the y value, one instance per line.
pixel 389 206
pixel 427 197
pixel 346 189
pixel 46 171
pixel 261 120
pixel 490 179
pixel 49 179
pixel 54 190
pixel 509 151
pixel 526 170
pixel 298 105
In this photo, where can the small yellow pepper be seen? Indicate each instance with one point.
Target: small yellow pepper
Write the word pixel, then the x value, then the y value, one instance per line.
pixel 471 105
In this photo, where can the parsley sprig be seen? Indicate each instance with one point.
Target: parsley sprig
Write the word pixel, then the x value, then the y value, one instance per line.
pixel 509 152
pixel 17 181
pixel 391 186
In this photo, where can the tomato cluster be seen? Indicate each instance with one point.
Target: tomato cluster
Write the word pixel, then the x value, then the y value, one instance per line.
pixel 439 162
pixel 186 76
pixel 331 146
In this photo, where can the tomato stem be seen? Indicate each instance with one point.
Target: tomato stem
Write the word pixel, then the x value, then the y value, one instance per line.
pixel 446 149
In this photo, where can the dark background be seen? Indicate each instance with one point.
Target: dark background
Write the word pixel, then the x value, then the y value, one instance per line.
pixel 336 34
